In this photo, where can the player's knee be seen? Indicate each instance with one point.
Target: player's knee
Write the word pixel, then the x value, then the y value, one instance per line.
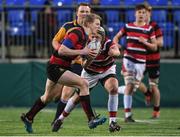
pixel 136 86
pixel 84 83
pixel 154 83
pixel 129 80
pixel 67 94
pixel 46 99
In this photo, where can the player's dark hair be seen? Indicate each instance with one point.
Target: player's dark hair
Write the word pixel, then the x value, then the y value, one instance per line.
pixel 140 7
pixel 82 4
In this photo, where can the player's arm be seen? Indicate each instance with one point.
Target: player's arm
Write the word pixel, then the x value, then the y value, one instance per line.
pixel 114 51
pixel 86 62
pixel 160 41
pixel 159 35
pixel 151 45
pixel 68 45
pixel 118 36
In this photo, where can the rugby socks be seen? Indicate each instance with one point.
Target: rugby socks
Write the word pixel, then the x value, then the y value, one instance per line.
pixel 67 110
pixel 156 112
pixel 112 107
pixel 85 102
pixel 148 92
pixel 121 89
pixel 60 108
pixel 38 105
pixel 127 105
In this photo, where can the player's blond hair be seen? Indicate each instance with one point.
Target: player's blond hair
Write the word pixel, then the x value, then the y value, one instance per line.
pixel 148 6
pixel 90 19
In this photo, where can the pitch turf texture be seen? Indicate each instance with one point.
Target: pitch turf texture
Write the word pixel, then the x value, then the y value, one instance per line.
pixel 76 123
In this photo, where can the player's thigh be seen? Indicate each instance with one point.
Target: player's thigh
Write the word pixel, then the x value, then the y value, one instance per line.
pixel 72 80
pixel 92 79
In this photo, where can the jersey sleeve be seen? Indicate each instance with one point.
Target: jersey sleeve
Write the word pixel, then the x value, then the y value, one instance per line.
pixel 61 33
pixel 123 30
pixel 158 31
pixel 72 38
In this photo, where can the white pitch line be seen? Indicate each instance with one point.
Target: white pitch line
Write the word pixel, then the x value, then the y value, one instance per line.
pixel 143 121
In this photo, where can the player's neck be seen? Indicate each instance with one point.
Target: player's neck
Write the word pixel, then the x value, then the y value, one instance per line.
pixel 139 23
pixel 79 22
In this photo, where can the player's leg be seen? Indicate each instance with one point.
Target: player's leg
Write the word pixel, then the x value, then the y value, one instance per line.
pixel 156 98
pixel 67 110
pixel 111 85
pixel 71 79
pixel 129 79
pixel 68 91
pixel 66 94
pixel 154 74
pixel 146 92
pixel 39 104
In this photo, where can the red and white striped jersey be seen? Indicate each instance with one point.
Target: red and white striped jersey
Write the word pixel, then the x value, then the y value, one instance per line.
pixel 103 61
pixel 135 50
pixel 153 58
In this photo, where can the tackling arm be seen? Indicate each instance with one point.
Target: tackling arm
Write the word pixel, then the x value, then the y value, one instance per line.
pixel 114 51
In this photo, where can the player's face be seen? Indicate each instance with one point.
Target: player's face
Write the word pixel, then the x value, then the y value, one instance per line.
pixel 140 15
pixel 82 12
pixel 94 36
pixel 94 26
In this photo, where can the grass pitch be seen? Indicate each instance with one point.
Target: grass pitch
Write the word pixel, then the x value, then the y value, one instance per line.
pixel 76 123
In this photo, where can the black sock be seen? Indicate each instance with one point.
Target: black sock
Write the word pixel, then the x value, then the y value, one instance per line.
pixel 60 108
pixel 85 102
pixel 38 105
pixel 148 92
pixel 156 108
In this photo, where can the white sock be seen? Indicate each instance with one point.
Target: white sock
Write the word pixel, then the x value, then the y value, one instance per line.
pixel 69 107
pixel 121 89
pixel 112 119
pixel 127 104
pixel 112 106
pixel 127 101
pixel 113 103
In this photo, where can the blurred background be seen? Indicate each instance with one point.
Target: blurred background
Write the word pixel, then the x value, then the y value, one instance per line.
pixel 28 26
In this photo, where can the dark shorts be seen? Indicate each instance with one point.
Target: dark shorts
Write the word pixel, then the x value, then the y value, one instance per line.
pixel 54 72
pixel 103 80
pixel 76 68
pixel 153 72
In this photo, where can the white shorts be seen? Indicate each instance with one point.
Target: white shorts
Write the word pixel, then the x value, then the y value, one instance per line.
pixel 136 69
pixel 94 79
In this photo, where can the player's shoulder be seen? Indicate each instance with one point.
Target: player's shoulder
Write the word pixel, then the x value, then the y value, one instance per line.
pixel 76 29
pixel 153 23
pixel 70 24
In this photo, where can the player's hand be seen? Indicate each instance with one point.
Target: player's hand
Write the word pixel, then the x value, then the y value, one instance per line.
pixel 142 40
pixel 89 52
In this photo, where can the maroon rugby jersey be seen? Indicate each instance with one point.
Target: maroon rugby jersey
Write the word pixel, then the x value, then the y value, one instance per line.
pixel 103 61
pixel 75 39
pixel 153 58
pixel 135 50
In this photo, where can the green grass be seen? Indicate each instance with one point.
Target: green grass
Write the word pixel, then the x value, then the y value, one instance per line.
pixel 76 123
